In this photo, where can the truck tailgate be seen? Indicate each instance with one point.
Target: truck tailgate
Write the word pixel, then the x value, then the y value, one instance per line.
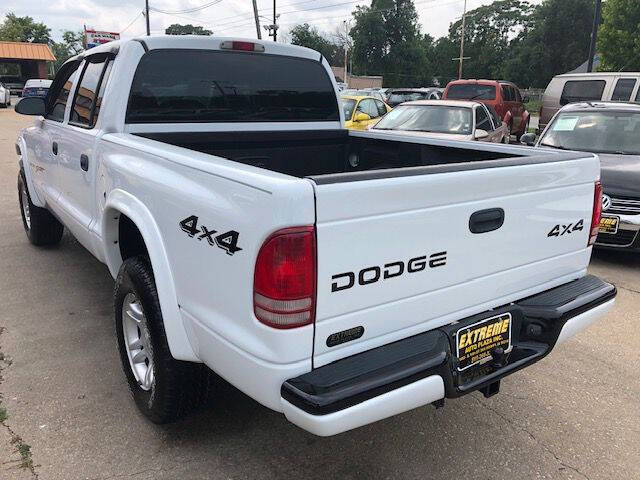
pixel 397 255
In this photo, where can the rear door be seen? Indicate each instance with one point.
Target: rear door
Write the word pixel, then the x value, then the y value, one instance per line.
pixel 396 256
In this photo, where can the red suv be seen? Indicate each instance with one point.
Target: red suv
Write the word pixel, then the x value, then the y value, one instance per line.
pixel 504 97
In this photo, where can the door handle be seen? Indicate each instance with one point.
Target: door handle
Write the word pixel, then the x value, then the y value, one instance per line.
pixel 54 148
pixel 484 221
pixel 84 162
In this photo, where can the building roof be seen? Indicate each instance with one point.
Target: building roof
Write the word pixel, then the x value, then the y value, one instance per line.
pixel 26 51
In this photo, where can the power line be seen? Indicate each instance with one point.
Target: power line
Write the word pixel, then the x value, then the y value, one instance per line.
pixel 131 23
pixel 187 10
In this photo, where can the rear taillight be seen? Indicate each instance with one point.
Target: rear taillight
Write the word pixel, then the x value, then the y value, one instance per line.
pixel 284 282
pixel 597 213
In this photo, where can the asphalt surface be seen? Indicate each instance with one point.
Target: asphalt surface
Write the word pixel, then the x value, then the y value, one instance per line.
pixel 574 415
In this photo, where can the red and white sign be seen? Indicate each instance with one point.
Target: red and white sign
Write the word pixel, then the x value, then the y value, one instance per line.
pixel 94 38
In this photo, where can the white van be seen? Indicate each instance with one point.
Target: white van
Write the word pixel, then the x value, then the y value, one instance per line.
pixel 583 87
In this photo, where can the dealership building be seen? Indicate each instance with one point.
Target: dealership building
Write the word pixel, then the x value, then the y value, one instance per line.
pixel 33 59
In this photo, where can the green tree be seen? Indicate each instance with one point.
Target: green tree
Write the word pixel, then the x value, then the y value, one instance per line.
pixel 619 37
pixel 487 33
pixel 307 36
pixel 23 29
pixel 177 29
pixel 554 41
pixel 72 44
pixel 387 41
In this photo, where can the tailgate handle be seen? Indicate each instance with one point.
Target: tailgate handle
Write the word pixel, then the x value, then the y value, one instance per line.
pixel 484 221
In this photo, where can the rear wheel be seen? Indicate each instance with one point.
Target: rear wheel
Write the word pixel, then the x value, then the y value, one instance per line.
pixel 41 227
pixel 163 388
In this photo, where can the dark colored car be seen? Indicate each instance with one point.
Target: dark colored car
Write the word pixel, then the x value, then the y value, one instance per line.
pixel 396 96
pixel 504 97
pixel 612 130
pixel 37 87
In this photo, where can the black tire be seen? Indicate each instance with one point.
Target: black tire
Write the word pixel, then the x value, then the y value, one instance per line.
pixel 42 228
pixel 178 387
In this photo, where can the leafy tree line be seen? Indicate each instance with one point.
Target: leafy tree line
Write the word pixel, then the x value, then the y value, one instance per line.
pixel 508 39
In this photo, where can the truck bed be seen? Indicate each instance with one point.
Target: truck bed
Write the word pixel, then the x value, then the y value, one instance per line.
pixel 329 152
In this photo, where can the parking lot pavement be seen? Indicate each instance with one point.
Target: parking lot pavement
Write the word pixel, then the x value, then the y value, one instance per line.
pixel 574 415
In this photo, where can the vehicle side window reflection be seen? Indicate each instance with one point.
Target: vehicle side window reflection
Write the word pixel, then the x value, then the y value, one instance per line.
pixel 86 94
pixel 56 111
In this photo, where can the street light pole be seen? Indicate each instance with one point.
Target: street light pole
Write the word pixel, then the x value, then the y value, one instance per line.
pixel 464 15
pixel 594 35
pixel 346 36
pixel 146 16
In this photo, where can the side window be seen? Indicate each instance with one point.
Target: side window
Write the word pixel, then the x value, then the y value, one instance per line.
pixel 497 121
pixel 59 92
pixel 623 90
pixel 507 93
pixel 368 106
pixel 85 98
pixel 638 96
pixel 483 122
pixel 581 91
pixel 103 84
pixel 382 110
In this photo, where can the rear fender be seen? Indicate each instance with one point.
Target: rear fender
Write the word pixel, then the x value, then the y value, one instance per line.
pixel 507 117
pixel 119 202
pixel 525 120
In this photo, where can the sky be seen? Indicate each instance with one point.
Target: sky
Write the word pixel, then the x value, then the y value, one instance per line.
pixel 224 17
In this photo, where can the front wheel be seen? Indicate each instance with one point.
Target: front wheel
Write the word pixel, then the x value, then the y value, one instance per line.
pixel 526 129
pixel 163 388
pixel 41 227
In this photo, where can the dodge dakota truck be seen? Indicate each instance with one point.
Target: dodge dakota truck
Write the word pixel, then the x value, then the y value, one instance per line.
pixel 338 277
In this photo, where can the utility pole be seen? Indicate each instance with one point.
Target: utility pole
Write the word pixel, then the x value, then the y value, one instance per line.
pixel 346 36
pixel 255 14
pixel 146 15
pixel 275 25
pixel 464 16
pixel 594 35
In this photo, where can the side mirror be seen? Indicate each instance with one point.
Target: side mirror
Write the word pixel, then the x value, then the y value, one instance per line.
pixel 361 117
pixel 31 106
pixel 480 134
pixel 525 100
pixel 528 139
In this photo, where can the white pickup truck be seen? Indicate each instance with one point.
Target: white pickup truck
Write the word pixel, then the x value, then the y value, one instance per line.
pixel 338 277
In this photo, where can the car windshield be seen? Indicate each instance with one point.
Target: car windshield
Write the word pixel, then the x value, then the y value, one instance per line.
pixel 428 118
pixel 614 132
pixel 348 105
pixel 471 91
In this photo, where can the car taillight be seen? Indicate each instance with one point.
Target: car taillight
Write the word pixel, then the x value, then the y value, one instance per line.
pixel 284 282
pixel 597 213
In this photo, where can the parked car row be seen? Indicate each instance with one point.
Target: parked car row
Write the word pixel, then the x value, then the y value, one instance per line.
pixel 17 86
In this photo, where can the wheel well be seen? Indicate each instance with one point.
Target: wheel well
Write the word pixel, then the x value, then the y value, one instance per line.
pixel 130 239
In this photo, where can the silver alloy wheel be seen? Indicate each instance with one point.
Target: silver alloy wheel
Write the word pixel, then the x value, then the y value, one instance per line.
pixel 25 206
pixel 137 341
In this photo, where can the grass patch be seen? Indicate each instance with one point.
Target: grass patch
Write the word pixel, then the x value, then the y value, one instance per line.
pixel 533 107
pixel 25 454
pixel 3 414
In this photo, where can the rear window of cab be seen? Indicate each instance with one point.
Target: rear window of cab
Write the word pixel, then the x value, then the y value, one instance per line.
pixel 186 85
pixel 469 91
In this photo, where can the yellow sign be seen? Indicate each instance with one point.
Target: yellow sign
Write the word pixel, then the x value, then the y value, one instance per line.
pixel 609 225
pixel 476 342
